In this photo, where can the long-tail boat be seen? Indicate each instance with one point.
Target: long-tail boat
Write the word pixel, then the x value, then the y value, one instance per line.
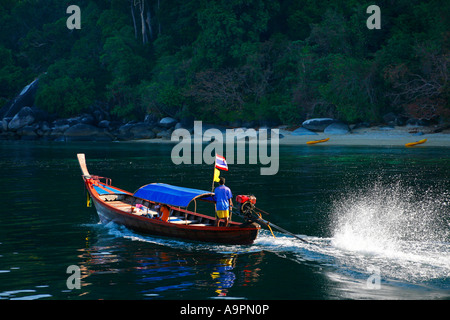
pixel 140 211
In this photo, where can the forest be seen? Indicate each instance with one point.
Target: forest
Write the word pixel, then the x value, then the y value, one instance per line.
pixel 221 61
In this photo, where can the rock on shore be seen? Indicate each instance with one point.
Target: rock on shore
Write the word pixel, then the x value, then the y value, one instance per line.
pixel 87 132
pixel 20 119
pixel 24 117
pixel 33 124
pixel 337 128
pixel 317 124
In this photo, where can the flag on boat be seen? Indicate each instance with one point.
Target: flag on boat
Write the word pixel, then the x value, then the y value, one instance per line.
pixel 221 163
pixel 216 175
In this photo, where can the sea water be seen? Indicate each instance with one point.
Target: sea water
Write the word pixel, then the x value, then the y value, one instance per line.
pixel 376 221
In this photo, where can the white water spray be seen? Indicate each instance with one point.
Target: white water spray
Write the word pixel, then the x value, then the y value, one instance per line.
pixel 401 229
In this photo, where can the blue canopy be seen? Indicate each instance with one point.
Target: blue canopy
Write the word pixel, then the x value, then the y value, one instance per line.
pixel 171 195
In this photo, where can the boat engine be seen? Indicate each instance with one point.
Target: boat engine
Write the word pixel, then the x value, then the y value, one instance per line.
pixel 246 204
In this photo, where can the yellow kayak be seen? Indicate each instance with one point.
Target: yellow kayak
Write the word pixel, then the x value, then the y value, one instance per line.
pixel 415 143
pixel 318 141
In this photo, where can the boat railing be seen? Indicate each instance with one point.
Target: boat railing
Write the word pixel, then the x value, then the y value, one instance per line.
pixel 107 181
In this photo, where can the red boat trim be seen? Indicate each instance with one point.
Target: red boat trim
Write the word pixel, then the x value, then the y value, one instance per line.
pixel 117 211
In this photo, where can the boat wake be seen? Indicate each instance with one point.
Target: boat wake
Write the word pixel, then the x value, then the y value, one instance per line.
pixel 410 261
pixel 405 232
pixel 393 232
pixel 181 244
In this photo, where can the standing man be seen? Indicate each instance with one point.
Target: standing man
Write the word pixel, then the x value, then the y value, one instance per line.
pixel 224 202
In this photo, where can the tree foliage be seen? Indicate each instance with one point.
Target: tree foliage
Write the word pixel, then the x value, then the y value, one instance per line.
pixel 227 60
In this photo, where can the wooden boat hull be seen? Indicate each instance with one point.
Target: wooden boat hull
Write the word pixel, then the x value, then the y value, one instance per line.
pixel 104 197
pixel 227 235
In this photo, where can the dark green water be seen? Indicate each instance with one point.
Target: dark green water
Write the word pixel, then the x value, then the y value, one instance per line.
pixel 367 212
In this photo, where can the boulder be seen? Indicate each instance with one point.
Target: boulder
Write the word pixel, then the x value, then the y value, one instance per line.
pixel 87 119
pixel 104 124
pixel 5 123
pixel 157 129
pixel 54 135
pixel 179 125
pixel 59 126
pixel 142 131
pixel 43 128
pixel 99 114
pixel 151 119
pixel 167 122
pixel 114 125
pixel 303 132
pixel 317 124
pixel 389 117
pixel 60 122
pixel 165 134
pixel 337 128
pixel 74 121
pixel 86 132
pixel 60 129
pixel 23 118
pixel 123 133
pixel 24 98
pixel 28 133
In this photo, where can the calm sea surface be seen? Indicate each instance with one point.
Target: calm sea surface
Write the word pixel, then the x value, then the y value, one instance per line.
pixel 377 222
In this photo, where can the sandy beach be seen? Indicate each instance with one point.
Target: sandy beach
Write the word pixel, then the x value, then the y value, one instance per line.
pixel 396 137
pixel 374 136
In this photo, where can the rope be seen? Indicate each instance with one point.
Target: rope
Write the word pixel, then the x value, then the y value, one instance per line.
pixel 268 225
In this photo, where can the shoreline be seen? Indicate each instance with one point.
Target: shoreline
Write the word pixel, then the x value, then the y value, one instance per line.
pixel 381 140
pixel 33 124
pixel 396 137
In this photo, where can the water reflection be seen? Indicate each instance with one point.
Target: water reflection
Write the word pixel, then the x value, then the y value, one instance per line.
pixel 223 275
pixel 357 286
pixel 157 270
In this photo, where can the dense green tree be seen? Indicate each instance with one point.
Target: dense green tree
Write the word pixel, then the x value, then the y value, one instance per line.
pixel 226 28
pixel 351 89
pixel 226 60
